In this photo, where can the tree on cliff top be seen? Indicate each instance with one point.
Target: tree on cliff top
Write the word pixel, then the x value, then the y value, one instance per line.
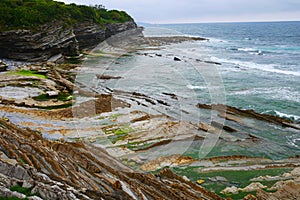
pixel 30 14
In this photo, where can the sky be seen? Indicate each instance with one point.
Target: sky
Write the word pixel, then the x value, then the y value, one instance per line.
pixel 197 11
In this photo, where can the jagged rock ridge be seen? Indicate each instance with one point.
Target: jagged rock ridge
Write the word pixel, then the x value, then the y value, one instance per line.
pixel 61 170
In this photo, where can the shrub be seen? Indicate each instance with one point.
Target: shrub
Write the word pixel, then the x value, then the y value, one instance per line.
pixel 30 14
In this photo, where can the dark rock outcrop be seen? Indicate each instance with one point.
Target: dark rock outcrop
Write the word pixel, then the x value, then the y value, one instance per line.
pixel 56 38
pixel 89 34
pixel 232 111
pixel 177 59
pixel 3 66
pixel 37 46
pixel 112 29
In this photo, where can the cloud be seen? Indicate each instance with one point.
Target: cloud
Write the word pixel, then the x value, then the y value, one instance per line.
pixel 158 11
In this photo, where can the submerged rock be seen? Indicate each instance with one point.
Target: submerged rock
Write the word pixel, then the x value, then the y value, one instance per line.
pixel 107 77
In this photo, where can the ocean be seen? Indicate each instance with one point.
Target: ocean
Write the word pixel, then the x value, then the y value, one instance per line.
pixel 245 65
pixel 260 62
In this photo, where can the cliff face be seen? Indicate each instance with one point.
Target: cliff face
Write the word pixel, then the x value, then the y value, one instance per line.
pixel 34 46
pixel 56 38
pixel 89 35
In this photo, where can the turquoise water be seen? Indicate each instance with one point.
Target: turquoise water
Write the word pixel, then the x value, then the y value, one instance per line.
pixel 260 62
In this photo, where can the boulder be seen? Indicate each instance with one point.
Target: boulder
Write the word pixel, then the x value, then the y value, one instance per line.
pixel 177 59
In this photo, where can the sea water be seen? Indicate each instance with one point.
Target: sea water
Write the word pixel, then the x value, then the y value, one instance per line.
pixel 257 66
pixel 260 62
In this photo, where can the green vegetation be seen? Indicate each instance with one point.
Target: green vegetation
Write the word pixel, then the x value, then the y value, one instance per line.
pixel 27 73
pixel 21 190
pixel 22 161
pixel 229 150
pixel 136 146
pixel 240 179
pixel 115 116
pixel 66 105
pixel 116 138
pixel 61 97
pixel 117 133
pixel 30 14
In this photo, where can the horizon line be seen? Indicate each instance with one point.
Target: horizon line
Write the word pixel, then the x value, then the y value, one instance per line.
pixel 212 22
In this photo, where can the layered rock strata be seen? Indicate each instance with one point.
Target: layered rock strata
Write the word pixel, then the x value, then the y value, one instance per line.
pixel 61 170
pixel 56 38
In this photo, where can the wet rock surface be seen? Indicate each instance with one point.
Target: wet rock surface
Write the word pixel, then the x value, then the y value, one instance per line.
pixel 159 41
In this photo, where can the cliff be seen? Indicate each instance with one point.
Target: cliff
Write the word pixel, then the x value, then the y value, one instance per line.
pixel 88 35
pixel 54 39
pixel 35 31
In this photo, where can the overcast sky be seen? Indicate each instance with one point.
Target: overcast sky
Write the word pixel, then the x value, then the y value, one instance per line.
pixel 171 11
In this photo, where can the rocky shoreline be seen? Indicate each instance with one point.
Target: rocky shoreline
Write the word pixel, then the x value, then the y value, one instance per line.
pixel 67 141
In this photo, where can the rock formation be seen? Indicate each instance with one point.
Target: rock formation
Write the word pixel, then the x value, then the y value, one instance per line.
pixel 56 38
pixel 62 170
pixel 34 46
pixel 89 35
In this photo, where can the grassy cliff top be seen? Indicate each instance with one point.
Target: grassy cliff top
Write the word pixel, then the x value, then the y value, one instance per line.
pixel 30 14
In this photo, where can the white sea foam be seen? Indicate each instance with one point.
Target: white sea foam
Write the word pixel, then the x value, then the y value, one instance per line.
pixel 252 65
pixel 293 117
pixel 293 140
pixel 196 87
pixel 216 40
pixel 247 49
pixel 281 93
